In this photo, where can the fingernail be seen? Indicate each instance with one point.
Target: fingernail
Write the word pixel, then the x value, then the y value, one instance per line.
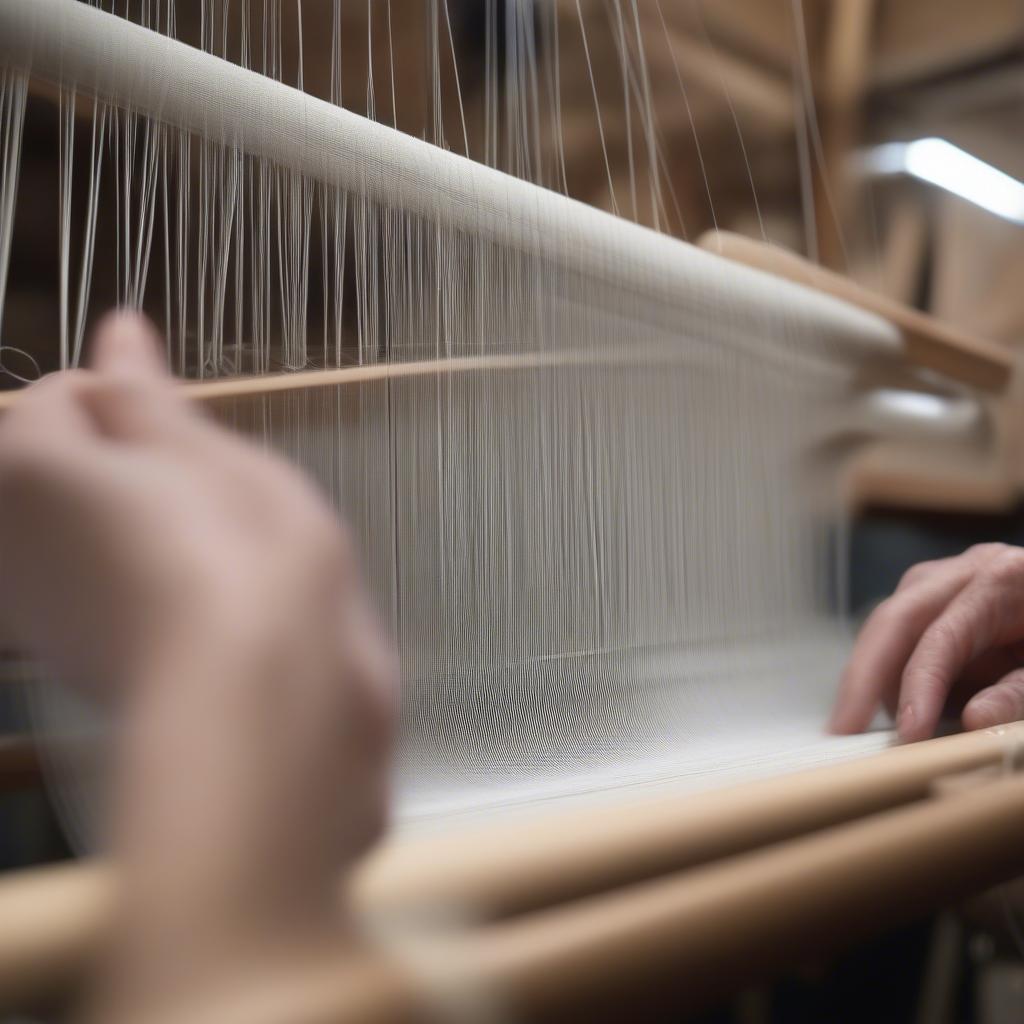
pixel 905 722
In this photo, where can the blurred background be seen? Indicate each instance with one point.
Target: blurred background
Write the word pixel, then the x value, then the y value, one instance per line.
pixel 798 122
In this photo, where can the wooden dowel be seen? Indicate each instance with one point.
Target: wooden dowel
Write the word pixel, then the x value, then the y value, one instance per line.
pixel 959 357
pixel 712 930
pixel 928 343
pixel 518 866
pixel 507 868
pixel 694 936
pixel 52 922
pixel 226 389
pixel 906 481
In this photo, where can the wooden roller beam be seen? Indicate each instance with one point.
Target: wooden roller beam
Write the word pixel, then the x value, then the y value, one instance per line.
pixel 928 343
pixel 50 928
pixel 51 919
pixel 705 933
pixel 694 936
pixel 507 868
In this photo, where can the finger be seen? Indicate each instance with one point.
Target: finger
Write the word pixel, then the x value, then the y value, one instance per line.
pixel 998 704
pixel 923 570
pixel 965 629
pixel 987 668
pixel 131 397
pixel 914 576
pixel 126 345
pixel 887 641
pixel 48 417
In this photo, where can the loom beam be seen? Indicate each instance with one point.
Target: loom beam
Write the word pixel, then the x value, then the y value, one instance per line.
pixel 928 342
pixel 580 882
pixel 73 44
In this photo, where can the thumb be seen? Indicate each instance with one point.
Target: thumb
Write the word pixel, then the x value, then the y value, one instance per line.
pixel 130 394
pixel 997 704
pixel 126 345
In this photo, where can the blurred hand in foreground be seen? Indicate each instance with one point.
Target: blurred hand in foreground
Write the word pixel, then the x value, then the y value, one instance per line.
pixel 951 637
pixel 207 590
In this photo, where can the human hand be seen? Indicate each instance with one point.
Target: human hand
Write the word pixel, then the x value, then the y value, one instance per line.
pixel 952 633
pixel 208 591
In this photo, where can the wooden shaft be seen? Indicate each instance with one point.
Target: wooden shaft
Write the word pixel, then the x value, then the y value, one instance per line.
pixel 694 935
pixel 52 922
pixel 711 930
pixel 928 343
pixel 50 919
pixel 227 389
pixel 507 868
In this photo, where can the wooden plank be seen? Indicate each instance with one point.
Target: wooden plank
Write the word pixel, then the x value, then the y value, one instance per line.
pixel 922 38
pixel 928 343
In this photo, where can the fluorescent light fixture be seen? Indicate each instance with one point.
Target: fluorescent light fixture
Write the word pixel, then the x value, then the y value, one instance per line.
pixel 941 163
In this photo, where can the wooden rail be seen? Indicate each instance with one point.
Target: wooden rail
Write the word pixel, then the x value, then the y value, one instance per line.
pixel 545 883
pixel 928 343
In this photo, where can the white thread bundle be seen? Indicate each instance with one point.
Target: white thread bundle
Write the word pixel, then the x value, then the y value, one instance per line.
pixel 605 569
pixel 13 91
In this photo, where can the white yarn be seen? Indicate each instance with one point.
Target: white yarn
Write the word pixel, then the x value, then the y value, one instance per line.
pixel 608 571
pixel 13 93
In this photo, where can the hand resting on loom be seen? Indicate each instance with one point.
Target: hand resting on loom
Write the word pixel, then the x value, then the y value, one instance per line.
pixel 157 559
pixel 953 633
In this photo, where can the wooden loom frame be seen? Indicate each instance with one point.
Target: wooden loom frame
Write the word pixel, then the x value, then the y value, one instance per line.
pixel 558 911
pixel 710 891
pixel 599 902
pixel 712 888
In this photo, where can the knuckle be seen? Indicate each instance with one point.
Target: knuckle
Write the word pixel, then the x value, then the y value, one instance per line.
pixel 118 406
pixel 944 647
pixel 987 550
pixel 115 391
pixel 944 635
pixel 886 613
pixel 1014 686
pixel 1007 567
pixel 914 574
pixel 924 679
